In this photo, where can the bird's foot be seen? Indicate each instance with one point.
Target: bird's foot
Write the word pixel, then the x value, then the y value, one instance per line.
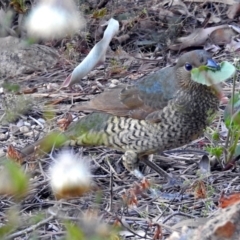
pixel 130 160
pixel 171 180
pixel 131 163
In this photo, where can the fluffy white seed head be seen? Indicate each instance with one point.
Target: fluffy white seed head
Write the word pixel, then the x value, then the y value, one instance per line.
pixel 70 175
pixel 54 19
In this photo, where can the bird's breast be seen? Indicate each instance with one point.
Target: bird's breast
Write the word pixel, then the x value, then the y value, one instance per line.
pixel 180 122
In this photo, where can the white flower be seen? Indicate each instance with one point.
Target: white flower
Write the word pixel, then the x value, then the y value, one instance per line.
pixel 54 19
pixel 70 175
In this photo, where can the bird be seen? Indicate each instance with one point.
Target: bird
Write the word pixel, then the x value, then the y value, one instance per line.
pixel 169 122
pixel 146 95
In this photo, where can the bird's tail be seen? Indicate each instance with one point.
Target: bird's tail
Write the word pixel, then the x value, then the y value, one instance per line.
pixel 88 131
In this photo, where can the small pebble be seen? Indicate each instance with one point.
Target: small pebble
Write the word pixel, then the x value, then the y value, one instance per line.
pixel 27 124
pixel 24 129
pixel 111 85
pixel 2 153
pixel 115 81
pixel 3 137
pixel 31 133
pixel 52 86
pixel 3 129
pixel 37 127
pixel 13 129
pixel 20 123
pixel 41 120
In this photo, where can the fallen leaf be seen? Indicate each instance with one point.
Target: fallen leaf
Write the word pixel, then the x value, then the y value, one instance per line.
pixel 145 184
pixel 29 90
pixel 158 232
pixel 96 55
pixel 200 190
pixel 65 122
pixel 130 198
pixel 225 231
pixel 14 155
pixel 233 11
pixel 222 36
pixel 197 38
pixel 226 201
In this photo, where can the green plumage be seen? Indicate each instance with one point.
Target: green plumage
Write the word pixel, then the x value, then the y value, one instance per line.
pixel 89 131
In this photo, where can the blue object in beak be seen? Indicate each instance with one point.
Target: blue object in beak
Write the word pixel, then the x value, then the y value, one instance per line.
pixel 212 64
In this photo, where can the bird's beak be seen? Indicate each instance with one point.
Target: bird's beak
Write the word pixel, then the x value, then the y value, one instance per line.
pixel 212 64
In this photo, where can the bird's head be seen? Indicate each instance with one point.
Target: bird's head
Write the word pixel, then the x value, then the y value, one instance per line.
pixel 190 60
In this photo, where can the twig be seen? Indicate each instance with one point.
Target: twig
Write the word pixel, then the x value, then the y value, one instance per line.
pixel 30 229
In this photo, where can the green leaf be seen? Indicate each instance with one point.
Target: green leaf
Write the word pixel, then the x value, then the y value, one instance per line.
pixel 11 87
pixel 73 232
pixel 208 76
pixel 235 115
pixel 237 151
pixel 11 222
pixel 18 180
pixel 215 151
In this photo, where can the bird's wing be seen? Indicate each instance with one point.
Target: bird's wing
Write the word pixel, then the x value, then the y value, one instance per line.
pixel 110 102
pixel 148 94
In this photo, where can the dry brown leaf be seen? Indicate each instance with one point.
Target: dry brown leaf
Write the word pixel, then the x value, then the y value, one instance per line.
pixel 226 231
pixel 65 122
pixel 226 201
pixel 222 36
pixel 130 198
pixel 158 232
pixel 56 101
pixel 145 184
pixel 197 38
pixel 200 190
pixel 117 223
pixel 14 155
pixel 29 90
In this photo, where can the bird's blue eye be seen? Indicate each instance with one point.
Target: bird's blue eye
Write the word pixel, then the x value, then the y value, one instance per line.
pixel 188 66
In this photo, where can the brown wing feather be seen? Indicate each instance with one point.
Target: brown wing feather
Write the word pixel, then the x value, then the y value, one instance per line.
pixel 148 94
pixel 109 102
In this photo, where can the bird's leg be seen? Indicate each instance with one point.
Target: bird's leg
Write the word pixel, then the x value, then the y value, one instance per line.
pixel 131 162
pixel 155 167
pixel 171 180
